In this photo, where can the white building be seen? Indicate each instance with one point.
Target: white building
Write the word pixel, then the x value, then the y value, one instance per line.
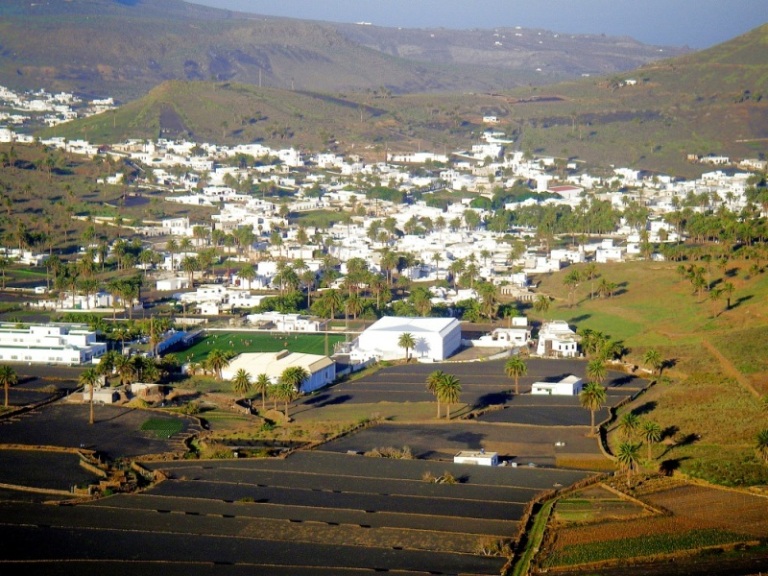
pixel 477 457
pixel 321 369
pixel 50 344
pixel 557 339
pixel 569 386
pixel 280 322
pixel 436 338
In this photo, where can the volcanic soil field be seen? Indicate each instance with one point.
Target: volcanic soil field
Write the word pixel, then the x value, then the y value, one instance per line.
pixel 326 511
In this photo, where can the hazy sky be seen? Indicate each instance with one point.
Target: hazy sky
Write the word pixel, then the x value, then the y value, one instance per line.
pixel 696 23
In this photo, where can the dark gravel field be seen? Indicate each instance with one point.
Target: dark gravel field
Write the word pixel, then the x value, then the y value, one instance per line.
pixel 197 506
pixel 115 433
pixel 482 383
pixel 34 469
pixel 349 465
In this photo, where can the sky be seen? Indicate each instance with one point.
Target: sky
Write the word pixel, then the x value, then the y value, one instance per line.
pixel 694 23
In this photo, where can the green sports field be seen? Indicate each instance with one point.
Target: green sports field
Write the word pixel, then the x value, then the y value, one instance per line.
pixel 240 342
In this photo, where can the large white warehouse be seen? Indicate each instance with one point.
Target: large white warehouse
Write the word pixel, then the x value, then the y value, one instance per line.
pixel 322 370
pixel 435 338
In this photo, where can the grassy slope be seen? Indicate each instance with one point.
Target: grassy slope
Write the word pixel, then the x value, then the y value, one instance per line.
pixel 707 405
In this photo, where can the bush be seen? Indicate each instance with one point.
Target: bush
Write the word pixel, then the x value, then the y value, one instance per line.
pixel 403 453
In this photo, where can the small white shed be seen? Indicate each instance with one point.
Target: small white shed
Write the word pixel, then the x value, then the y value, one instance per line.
pixel 477 457
pixel 569 386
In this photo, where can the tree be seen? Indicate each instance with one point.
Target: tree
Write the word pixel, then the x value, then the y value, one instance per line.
pixel 514 368
pixel 572 280
pixel 596 370
pixel 449 392
pixel 434 381
pixel 89 378
pixel 8 378
pixel 541 304
pixel 125 369
pixel 216 361
pixel 489 299
pixel 407 342
pixel 289 385
pixel 627 456
pixel 592 397
pixel 652 433
pixel 262 385
pixel 652 359
pixel 172 247
pixel 241 383
pixel 248 273
pixel 628 425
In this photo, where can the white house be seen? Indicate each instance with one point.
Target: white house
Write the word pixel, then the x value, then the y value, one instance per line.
pixel 436 338
pixel 274 320
pixel 557 339
pixel 321 369
pixel 569 386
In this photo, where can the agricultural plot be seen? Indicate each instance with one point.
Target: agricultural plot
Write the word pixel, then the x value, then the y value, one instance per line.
pixel 240 342
pixel 34 468
pixel 732 510
pixel 541 445
pixel 116 431
pixel 482 384
pixel 699 517
pixel 596 504
pixel 306 512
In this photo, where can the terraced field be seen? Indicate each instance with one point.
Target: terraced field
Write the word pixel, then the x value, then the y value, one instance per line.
pixel 310 513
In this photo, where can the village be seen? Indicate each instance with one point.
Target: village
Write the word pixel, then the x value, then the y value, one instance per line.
pixel 429 244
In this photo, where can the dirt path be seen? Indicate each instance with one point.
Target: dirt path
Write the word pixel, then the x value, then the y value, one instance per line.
pixel 729 369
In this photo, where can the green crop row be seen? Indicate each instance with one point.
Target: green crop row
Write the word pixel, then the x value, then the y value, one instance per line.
pixel 646 546
pixel 164 428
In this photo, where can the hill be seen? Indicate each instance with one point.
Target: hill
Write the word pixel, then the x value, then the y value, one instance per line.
pixel 124 48
pixel 651 118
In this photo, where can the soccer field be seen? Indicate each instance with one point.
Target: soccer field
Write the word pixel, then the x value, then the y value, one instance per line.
pixel 240 342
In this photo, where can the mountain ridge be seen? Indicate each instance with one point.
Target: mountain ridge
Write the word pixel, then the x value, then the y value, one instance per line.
pixel 123 49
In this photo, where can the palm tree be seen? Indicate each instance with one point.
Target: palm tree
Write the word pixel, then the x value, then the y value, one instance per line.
pixel 652 434
pixel 125 369
pixel 592 397
pixel 541 304
pixel 295 375
pixel 627 456
pixel 514 368
pixel 89 378
pixel 216 361
pixel 289 386
pixel 652 359
pixel 262 385
pixel 449 392
pixel 172 246
pixel 596 370
pixel 407 342
pixel 247 272
pixel 433 385
pixel 762 444
pixel 8 378
pixel 628 425
pixel 241 383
